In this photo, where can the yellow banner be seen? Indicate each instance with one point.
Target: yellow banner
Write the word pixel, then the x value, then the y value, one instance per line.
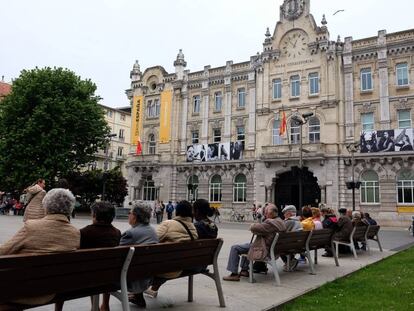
pixel 165 117
pixel 405 209
pixel 137 118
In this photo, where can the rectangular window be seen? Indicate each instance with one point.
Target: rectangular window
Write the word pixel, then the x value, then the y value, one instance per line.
pixel 277 89
pixel 122 117
pixel 402 74
pixel 241 98
pixel 194 137
pixel 121 136
pixel 215 192
pixel 313 83
pixel 405 191
pixel 366 79
pixel 367 120
pixel 196 104
pixel 295 86
pixel 369 192
pixel 149 109
pixel 156 107
pixel 217 101
pixel 120 151
pixel 109 113
pixel 217 135
pixel 240 133
pixel 276 139
pixel 404 119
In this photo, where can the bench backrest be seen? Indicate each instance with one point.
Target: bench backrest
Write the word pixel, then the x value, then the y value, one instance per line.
pixel 320 239
pixel 359 232
pixel 290 242
pixel 150 260
pixel 372 231
pixel 35 275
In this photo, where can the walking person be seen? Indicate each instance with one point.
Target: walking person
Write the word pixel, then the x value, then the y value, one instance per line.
pixel 216 215
pixel 170 210
pixel 158 211
pixel 35 194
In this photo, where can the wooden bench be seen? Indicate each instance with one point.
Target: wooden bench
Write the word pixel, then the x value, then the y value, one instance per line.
pixel 286 243
pixel 90 272
pixel 358 234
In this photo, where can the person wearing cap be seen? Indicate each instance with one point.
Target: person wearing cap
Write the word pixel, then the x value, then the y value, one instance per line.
pixel 292 224
pixel 266 230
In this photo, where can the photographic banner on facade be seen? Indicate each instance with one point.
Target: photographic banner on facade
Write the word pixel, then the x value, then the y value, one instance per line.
pixel 387 141
pixel 215 152
pixel 136 126
pixel 165 117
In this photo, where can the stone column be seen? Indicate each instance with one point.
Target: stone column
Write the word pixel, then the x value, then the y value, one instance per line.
pixel 349 90
pixel 184 114
pixel 227 103
pixel 205 110
pixel 383 80
pixel 251 131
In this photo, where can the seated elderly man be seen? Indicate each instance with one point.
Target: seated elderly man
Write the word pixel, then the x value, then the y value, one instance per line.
pixel 267 230
pixel 53 233
pixel 292 224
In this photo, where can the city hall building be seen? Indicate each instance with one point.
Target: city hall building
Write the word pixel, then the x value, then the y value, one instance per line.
pixel 220 133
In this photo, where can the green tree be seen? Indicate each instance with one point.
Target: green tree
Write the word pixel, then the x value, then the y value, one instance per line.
pixel 50 125
pixel 88 186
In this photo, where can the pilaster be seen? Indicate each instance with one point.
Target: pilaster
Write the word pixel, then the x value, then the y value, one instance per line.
pixel 383 80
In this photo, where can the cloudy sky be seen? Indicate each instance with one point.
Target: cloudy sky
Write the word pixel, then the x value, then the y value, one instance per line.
pixel 100 39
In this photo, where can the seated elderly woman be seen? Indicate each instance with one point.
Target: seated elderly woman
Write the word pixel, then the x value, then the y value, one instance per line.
pixel 140 232
pixel 53 233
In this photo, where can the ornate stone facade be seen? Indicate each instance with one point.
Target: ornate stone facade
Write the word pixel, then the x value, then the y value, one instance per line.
pixel 300 71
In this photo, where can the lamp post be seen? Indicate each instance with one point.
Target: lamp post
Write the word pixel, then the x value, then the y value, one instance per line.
pixel 301 120
pixel 106 162
pixel 192 187
pixel 352 148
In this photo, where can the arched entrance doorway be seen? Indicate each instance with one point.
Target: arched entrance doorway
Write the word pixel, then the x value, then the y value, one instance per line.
pixel 287 188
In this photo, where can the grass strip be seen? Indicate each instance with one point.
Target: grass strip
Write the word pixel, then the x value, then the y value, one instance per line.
pixel 386 285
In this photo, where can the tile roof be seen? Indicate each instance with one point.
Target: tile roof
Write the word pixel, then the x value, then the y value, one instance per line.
pixel 5 89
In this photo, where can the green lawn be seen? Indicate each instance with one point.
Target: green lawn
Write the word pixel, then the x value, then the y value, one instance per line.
pixel 387 285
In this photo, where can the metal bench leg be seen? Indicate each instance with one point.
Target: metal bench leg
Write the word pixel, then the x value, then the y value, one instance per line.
pixel 311 267
pixel 379 243
pixel 275 272
pixel 190 288
pixel 353 250
pixel 334 248
pixel 251 277
pixel 218 285
pixel 95 303
pixel 316 256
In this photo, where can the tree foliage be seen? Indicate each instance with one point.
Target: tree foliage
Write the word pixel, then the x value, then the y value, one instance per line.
pixel 88 186
pixel 50 125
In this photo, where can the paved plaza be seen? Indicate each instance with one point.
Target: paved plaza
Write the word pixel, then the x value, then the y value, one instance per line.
pixel 242 295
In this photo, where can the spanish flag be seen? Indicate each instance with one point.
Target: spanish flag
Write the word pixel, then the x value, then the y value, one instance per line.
pixel 282 128
pixel 139 147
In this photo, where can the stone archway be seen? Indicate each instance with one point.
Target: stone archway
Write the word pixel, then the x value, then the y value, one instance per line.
pixel 287 188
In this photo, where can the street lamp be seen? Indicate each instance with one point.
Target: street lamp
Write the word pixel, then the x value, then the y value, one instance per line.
pixel 301 120
pixel 192 187
pixel 106 162
pixel 352 148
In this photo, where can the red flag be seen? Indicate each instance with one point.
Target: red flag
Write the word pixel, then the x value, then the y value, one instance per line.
pixel 139 147
pixel 282 128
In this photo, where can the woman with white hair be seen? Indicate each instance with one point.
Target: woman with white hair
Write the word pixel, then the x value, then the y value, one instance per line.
pixel 53 233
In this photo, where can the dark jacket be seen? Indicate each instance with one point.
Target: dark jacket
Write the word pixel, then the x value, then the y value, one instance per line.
pixel 206 229
pixel 330 222
pixel 344 229
pixel 99 235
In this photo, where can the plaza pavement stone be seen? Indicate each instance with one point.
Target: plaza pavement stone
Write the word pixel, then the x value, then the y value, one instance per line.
pixel 242 295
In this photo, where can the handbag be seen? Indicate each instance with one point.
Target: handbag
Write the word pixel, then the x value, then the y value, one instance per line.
pixel 258 250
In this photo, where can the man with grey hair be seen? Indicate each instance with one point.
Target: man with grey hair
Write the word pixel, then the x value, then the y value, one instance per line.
pixel 292 224
pixel 53 233
pixel 266 230
pixel 140 232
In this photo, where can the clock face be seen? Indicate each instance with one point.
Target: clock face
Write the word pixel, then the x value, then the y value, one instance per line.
pixel 292 9
pixel 294 44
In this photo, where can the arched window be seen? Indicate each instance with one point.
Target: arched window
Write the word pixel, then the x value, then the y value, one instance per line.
pixel 192 188
pixel 152 144
pixel 405 187
pixel 239 188
pixel 276 139
pixel 149 192
pixel 369 187
pixel 215 189
pixel 294 132
pixel 314 130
